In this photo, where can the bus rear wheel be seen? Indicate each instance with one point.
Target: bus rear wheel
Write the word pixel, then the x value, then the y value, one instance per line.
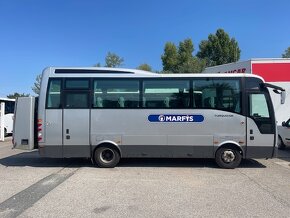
pixel 228 158
pixel 106 157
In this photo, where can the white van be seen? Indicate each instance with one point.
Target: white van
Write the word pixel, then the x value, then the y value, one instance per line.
pixel 284 135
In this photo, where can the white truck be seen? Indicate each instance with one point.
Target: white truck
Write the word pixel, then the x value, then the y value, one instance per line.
pixel 284 134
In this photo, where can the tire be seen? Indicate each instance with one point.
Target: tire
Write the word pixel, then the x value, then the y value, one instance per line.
pixel 228 158
pixel 5 132
pixel 280 144
pixel 106 156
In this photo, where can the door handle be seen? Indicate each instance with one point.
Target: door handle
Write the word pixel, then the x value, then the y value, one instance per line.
pixel 67 137
pixel 252 137
pixel 67 131
pixel 251 131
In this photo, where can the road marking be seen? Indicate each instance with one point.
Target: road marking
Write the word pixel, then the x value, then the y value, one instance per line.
pixel 25 199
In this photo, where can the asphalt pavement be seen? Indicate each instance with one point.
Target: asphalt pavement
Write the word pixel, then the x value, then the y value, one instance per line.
pixel 32 186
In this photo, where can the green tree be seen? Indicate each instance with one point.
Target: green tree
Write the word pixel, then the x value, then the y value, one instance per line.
pixel 219 48
pixel 170 57
pixel 113 60
pixel 185 50
pixel 192 65
pixel 36 86
pixel 16 95
pixel 286 54
pixel 181 59
pixel 145 67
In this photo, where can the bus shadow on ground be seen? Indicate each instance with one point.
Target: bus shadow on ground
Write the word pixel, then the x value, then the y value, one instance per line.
pixel 33 159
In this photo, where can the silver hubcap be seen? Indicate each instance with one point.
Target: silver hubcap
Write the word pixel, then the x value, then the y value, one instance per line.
pixel 107 155
pixel 228 156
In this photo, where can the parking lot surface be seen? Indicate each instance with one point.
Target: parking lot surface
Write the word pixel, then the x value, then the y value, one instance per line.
pixel 32 186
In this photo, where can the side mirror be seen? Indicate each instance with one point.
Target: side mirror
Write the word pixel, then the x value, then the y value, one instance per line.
pixel 283 97
pixel 283 123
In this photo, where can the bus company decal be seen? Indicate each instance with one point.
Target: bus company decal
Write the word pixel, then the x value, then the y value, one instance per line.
pixel 176 118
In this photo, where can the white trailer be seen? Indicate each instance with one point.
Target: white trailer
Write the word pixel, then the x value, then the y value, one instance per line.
pixel 274 70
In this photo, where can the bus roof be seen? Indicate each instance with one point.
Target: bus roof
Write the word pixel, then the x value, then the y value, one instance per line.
pixel 125 73
pixel 6 99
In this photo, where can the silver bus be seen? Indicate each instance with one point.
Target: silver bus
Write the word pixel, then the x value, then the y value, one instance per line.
pixel 106 114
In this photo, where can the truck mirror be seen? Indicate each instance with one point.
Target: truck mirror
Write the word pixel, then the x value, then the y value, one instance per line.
pixel 283 96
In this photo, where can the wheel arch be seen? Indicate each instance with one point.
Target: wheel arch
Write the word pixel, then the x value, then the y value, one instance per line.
pixel 107 143
pixel 231 144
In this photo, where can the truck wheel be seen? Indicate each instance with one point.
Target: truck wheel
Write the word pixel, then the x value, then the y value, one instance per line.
pixel 228 158
pixel 5 132
pixel 106 157
pixel 280 144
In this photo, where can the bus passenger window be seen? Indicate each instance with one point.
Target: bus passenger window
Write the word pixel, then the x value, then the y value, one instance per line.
pixel 76 99
pixel 221 94
pixel 116 93
pixel 53 97
pixel 166 94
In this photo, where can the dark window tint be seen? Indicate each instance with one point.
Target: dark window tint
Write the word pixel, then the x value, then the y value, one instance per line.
pixel 166 94
pixel 9 107
pixel 116 94
pixel 77 84
pixel 53 96
pixel 253 83
pixel 217 94
pixel 76 99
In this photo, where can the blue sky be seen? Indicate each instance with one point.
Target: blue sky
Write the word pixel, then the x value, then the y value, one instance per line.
pixel 35 34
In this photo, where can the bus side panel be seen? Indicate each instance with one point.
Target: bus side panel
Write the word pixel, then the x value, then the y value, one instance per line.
pixel 52 146
pixel 142 138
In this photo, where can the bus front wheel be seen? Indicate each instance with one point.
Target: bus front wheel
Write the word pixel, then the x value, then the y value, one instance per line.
pixel 106 157
pixel 228 158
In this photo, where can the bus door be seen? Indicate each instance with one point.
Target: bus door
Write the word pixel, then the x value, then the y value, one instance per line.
pixel 76 118
pixel 260 125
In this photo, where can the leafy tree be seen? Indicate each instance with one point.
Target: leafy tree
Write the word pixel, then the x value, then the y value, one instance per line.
pixel 36 87
pixel 185 50
pixel 286 54
pixel 16 95
pixel 192 65
pixel 170 57
pixel 113 60
pixel 145 67
pixel 181 59
pixel 219 48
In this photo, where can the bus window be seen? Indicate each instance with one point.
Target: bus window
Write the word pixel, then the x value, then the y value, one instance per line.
pixel 53 97
pixel 217 94
pixel 258 106
pixel 166 94
pixel 76 99
pixel 116 94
